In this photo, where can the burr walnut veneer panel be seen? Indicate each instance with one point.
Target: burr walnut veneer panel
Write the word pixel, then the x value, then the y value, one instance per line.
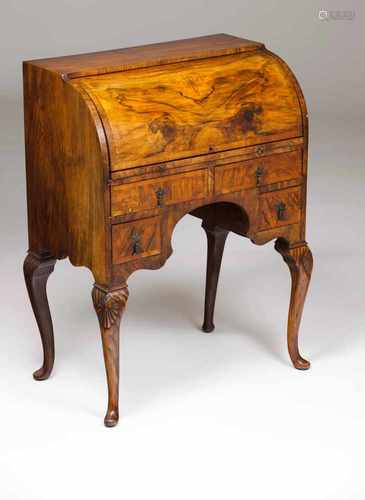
pixel 162 113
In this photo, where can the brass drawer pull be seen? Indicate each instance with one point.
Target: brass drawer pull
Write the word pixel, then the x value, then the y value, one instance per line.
pixel 280 210
pixel 260 149
pixel 160 193
pixel 259 174
pixel 136 243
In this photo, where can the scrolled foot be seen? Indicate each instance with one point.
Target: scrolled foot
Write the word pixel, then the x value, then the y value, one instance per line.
pixel 111 418
pixel 43 373
pixel 208 327
pixel 301 363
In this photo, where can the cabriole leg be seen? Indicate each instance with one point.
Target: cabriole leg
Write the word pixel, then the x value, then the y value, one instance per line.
pixel 109 306
pixel 36 272
pixel 216 240
pixel 300 262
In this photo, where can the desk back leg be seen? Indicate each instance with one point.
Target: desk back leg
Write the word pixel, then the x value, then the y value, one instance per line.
pixel 216 237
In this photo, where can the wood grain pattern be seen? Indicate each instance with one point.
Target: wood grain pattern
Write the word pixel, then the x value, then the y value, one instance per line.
pixel 109 306
pixel 145 195
pixel 66 172
pixel 207 160
pixel 155 54
pixel 37 269
pixel 163 113
pixel 292 233
pixel 300 263
pixel 305 128
pixel 291 201
pixel 257 172
pixel 243 203
pixel 136 240
pixel 121 145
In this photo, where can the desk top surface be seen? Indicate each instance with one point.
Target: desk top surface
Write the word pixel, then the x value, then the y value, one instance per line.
pixel 95 63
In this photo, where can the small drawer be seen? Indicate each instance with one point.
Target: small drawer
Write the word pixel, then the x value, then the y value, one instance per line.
pixel 258 172
pixel 280 208
pixel 157 193
pixel 135 240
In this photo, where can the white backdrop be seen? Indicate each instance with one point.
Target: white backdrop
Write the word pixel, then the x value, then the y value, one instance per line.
pixel 203 416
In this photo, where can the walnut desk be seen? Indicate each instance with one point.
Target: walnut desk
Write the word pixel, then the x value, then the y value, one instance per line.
pixel 120 145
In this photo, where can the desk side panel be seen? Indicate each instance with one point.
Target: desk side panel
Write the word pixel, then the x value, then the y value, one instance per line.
pixel 67 168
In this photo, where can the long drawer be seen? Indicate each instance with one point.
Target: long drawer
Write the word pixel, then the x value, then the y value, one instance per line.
pixel 258 172
pixel 157 193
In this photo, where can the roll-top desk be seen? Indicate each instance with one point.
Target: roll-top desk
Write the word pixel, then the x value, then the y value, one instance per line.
pixel 120 145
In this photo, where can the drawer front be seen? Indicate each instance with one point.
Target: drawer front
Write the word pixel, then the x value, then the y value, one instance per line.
pixel 135 240
pixel 258 172
pixel 280 208
pixel 173 111
pixel 156 193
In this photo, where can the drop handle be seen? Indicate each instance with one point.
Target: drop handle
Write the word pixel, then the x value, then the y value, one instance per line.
pixel 280 210
pixel 259 174
pixel 136 243
pixel 160 194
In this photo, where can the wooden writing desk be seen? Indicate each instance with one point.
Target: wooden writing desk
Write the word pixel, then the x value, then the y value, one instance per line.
pixel 120 145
